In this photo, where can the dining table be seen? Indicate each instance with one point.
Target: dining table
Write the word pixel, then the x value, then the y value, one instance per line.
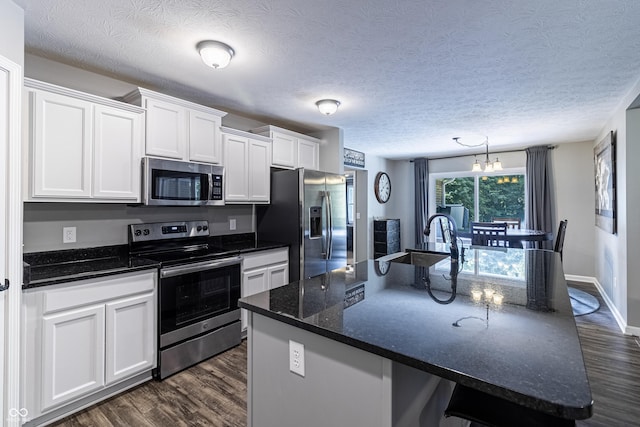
pixel 517 237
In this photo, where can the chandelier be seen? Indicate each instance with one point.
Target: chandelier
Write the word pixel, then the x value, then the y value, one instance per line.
pixel 488 165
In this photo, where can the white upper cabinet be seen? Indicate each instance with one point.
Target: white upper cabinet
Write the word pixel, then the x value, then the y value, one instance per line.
pixel 166 129
pixel 179 129
pixel 205 142
pixel 290 149
pixel 117 151
pixel 247 174
pixel 81 147
pixel 308 154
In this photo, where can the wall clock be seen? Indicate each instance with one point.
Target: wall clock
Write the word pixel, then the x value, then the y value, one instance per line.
pixel 382 187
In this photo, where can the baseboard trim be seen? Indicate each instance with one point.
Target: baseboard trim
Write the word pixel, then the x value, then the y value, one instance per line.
pixel 622 324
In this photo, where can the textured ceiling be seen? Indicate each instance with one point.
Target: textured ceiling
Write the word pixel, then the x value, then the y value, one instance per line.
pixel 411 74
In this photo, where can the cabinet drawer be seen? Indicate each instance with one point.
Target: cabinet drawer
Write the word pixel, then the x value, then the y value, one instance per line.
pixel 263 258
pixel 91 291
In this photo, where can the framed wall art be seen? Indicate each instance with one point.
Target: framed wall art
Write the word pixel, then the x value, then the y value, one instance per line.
pixel 605 181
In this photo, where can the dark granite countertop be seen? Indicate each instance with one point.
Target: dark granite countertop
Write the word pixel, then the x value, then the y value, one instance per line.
pixel 524 348
pixel 50 268
pixel 53 267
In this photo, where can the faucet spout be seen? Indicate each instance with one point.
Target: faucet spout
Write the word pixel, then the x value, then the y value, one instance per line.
pixel 453 231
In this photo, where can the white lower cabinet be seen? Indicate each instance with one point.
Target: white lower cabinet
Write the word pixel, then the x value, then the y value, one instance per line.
pixel 262 271
pixel 73 355
pixel 85 339
pixel 129 349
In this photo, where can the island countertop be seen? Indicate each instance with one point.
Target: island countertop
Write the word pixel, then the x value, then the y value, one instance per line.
pixel 507 330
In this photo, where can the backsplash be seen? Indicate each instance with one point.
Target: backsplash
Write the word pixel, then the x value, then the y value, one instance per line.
pixel 106 224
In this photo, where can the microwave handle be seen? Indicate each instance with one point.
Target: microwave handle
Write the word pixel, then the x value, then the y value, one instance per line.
pixel 210 190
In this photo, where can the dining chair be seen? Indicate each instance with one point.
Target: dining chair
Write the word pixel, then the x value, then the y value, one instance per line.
pixel 489 234
pixel 445 230
pixel 559 243
pixel 512 222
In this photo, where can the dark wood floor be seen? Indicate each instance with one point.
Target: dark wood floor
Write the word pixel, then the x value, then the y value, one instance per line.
pixel 213 393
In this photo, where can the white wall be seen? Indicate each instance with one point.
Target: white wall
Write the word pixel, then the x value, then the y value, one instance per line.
pixel 12 32
pixel 616 268
pixel 574 190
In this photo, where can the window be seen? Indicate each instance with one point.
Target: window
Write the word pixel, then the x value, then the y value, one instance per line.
pixel 480 197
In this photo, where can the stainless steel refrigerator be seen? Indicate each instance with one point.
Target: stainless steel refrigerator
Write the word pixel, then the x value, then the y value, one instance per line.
pixel 308 210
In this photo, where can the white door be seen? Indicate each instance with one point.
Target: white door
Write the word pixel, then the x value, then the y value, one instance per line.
pixel 130 337
pixel 73 355
pixel 308 154
pixel 253 282
pixel 166 129
pixel 278 275
pixel 117 152
pixel 236 164
pixel 284 150
pixel 204 137
pixel 11 81
pixel 4 144
pixel 61 146
pixel 259 171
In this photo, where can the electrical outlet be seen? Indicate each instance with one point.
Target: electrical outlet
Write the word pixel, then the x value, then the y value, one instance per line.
pixel 68 234
pixel 296 358
pixel 232 224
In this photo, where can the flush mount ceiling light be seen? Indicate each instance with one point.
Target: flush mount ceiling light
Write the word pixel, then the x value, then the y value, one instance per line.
pixel 215 54
pixel 328 106
pixel 488 165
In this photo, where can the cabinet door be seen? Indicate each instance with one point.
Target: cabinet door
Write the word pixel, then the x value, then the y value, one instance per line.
pixel 130 337
pixel 61 146
pixel 259 171
pixel 117 151
pixel 308 154
pixel 236 165
pixel 284 150
pixel 253 282
pixel 278 275
pixel 166 129
pixel 73 355
pixel 204 137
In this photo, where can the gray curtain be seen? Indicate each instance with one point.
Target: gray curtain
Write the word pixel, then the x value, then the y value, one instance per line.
pixel 539 191
pixel 421 174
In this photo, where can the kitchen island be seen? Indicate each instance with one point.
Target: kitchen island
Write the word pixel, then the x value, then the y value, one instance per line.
pixel 385 342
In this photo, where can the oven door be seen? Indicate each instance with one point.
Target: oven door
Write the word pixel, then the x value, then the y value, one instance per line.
pixel 198 298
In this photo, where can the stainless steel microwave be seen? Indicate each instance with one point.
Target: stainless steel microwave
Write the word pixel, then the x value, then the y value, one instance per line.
pixel 176 183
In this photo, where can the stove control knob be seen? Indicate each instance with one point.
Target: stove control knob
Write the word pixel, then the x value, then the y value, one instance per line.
pixel 137 232
pixel 199 228
pixel 146 232
pixel 205 228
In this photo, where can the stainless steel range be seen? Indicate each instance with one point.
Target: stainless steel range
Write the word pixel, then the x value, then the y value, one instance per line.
pixel 199 288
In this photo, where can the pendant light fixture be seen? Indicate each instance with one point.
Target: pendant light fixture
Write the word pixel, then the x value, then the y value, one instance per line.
pixel 489 166
pixel 215 54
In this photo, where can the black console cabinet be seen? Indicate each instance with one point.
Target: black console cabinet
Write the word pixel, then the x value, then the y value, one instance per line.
pixel 386 237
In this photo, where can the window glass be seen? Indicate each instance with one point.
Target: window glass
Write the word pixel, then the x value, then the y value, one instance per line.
pixel 501 197
pixel 483 198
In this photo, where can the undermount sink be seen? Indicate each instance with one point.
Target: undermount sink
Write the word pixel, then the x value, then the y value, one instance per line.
pixel 421 259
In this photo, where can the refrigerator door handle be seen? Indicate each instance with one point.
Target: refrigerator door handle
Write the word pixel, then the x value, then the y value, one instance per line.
pixel 329 226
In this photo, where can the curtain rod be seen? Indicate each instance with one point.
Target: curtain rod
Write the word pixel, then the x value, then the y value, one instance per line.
pixel 550 147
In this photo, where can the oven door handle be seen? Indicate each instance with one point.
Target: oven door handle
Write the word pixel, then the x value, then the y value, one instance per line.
pixel 200 266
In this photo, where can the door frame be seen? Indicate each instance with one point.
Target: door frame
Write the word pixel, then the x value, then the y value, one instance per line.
pixel 11 146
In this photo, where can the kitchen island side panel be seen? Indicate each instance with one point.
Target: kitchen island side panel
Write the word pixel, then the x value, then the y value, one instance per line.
pixel 342 385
